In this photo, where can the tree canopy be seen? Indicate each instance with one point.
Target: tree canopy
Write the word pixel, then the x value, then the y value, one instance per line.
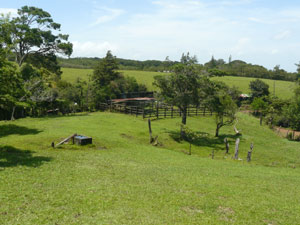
pixel 33 32
pixel 259 88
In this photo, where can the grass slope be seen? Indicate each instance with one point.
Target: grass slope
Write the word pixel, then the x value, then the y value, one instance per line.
pixel 121 179
pixel 283 89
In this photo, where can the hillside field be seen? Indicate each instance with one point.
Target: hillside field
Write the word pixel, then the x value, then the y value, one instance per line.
pixel 122 179
pixel 283 89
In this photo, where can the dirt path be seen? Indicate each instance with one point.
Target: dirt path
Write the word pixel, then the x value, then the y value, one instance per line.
pixel 283 132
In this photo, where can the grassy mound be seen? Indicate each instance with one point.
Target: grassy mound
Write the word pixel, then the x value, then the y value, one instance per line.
pixel 122 179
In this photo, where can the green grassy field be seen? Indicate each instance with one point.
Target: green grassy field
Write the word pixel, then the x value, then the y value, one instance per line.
pixel 122 179
pixel 283 89
pixel 143 77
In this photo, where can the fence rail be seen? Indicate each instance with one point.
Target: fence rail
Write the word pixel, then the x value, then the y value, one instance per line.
pixel 162 111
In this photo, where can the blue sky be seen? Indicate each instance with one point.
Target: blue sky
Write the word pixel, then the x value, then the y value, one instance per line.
pixel 263 32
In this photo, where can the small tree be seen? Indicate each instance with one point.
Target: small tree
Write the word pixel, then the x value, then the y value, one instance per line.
pixel 225 109
pixel 181 88
pixel 259 88
pixel 259 105
pixel 219 100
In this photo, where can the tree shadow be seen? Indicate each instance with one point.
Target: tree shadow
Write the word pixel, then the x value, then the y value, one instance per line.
pixel 45 117
pixel 204 139
pixel 11 157
pixel 10 129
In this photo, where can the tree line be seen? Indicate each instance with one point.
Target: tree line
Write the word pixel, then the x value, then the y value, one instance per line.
pixel 217 67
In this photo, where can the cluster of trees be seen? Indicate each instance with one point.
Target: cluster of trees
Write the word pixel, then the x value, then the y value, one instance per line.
pixel 243 69
pixel 124 64
pixel 277 112
pixel 31 85
pixel 186 86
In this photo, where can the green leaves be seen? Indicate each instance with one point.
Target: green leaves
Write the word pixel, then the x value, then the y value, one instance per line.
pixel 31 32
pixel 259 88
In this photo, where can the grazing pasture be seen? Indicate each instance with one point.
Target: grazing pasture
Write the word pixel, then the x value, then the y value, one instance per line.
pixel 283 89
pixel 122 179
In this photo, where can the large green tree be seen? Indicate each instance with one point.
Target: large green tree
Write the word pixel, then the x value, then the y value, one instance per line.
pixel 109 83
pixel 33 32
pixel 33 38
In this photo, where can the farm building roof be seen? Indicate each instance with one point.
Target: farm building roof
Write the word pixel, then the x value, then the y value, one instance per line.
pixel 132 99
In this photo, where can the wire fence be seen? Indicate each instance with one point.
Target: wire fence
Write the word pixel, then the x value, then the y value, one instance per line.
pixel 158 111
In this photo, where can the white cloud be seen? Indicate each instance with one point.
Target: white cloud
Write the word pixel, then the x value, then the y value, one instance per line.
pixel 241 46
pixel 282 35
pixel 274 51
pixel 11 11
pixel 92 49
pixel 110 14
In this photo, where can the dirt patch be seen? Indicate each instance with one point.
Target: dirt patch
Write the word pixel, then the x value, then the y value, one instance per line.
pixel 268 222
pixel 192 210
pixel 226 213
pixel 283 132
pixel 127 136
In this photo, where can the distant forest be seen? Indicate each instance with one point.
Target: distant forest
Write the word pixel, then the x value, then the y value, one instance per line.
pixel 215 67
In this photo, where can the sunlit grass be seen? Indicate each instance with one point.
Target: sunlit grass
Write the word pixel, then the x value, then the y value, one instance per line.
pixel 122 179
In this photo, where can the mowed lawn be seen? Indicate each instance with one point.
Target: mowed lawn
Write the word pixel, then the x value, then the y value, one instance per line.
pixel 283 89
pixel 122 179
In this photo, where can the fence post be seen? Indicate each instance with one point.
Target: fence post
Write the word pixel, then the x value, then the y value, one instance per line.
pixel 165 112
pixel 204 111
pixel 236 154
pixel 196 111
pixel 157 111
pixel 144 113
pixel 137 111
pixel 172 112
pixel 250 153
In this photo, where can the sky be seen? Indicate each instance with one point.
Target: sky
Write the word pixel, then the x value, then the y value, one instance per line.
pixel 263 32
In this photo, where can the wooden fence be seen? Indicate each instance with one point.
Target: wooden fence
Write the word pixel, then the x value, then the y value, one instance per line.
pixel 158 111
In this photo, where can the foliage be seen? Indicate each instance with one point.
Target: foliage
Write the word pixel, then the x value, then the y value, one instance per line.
pixel 32 33
pixel 219 100
pixel 181 88
pixel 10 84
pixel 259 88
pixel 259 104
pixel 293 111
pixel 108 83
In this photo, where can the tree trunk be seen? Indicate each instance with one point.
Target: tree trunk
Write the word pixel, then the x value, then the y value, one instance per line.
pixel 13 113
pixel 250 153
pixel 184 115
pixel 226 145
pixel 260 119
pixel 217 129
pixel 183 121
pixel 150 131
